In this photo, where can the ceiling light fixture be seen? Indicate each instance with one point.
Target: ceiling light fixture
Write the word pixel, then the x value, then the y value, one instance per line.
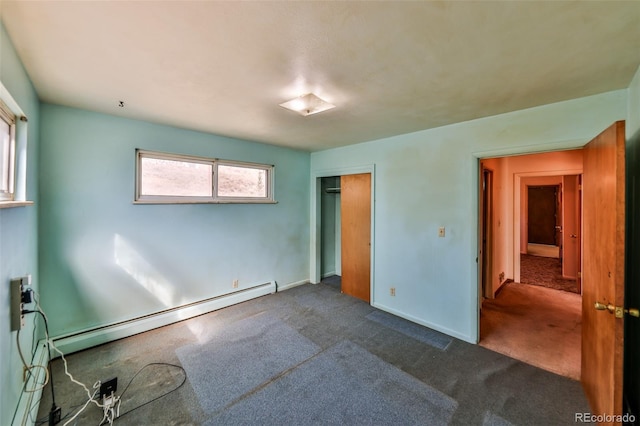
pixel 307 104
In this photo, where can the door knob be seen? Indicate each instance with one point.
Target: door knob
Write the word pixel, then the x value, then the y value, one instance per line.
pixel 619 311
pixel 602 307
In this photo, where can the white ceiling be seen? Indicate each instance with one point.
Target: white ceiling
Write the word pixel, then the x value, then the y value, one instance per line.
pixel 390 67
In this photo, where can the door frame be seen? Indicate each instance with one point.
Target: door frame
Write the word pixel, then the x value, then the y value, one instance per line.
pixel 315 233
pixel 474 182
pixel 517 213
pixel 486 213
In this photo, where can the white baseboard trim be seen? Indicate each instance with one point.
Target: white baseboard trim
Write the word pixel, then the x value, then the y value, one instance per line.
pixel 329 274
pixel 436 327
pixel 291 285
pixel 96 336
pixel 30 401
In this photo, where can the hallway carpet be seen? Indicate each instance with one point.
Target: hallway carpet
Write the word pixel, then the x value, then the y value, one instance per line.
pixel 536 325
pixel 545 272
pixel 313 345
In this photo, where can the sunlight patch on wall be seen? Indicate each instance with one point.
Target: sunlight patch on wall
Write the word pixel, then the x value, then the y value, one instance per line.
pixel 127 258
pixel 148 277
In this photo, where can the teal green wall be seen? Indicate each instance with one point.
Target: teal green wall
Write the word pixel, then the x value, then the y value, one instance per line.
pixel 107 260
pixel 18 233
pixel 633 113
pixel 428 179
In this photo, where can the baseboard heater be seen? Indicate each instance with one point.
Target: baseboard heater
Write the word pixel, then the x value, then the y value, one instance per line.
pixel 84 339
pixel 30 401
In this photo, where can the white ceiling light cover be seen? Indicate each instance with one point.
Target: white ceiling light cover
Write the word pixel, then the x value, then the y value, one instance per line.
pixel 307 104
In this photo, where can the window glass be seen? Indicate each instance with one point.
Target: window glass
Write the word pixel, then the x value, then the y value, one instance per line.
pixel 174 178
pixel 238 181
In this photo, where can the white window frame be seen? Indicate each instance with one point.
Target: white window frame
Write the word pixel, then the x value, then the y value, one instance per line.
pixel 8 116
pixel 214 198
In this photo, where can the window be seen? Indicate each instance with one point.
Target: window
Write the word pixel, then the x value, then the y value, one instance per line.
pixel 7 139
pixel 173 178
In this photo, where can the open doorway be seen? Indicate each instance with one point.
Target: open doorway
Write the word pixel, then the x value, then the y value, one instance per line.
pixel 330 225
pixel 551 222
pixel 528 208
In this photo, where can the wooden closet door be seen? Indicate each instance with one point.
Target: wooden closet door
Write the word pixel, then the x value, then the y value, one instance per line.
pixel 355 211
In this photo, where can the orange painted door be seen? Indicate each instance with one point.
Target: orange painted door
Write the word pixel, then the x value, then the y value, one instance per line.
pixel 579 235
pixel 603 192
pixel 558 226
pixel 355 211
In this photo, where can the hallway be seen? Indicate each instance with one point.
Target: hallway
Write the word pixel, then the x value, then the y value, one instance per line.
pixel 536 325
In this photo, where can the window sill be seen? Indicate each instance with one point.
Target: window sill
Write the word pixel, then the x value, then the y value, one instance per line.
pixel 12 204
pixel 205 202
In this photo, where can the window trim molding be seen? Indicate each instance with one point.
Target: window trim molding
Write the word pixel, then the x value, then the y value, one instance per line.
pixel 18 152
pixel 214 199
pixel 9 117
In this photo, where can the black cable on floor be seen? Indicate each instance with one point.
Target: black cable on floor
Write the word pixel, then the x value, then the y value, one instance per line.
pixel 184 379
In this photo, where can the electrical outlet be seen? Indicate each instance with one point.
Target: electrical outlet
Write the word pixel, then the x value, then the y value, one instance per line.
pixel 235 284
pixel 441 231
pixel 108 387
pixel 392 291
pixel 17 319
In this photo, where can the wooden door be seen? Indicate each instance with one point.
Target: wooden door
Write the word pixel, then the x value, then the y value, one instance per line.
pixel 603 192
pixel 571 226
pixel 541 214
pixel 579 235
pixel 355 210
pixel 558 225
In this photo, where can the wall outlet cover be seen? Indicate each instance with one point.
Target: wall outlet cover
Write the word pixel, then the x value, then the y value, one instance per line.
pixel 108 387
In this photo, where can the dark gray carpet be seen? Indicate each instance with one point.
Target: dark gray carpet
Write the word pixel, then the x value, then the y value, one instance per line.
pixel 287 352
pixel 343 385
pixel 413 330
pixel 242 356
pixel 491 419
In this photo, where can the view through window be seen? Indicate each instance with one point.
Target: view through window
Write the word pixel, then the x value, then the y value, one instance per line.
pixel 173 178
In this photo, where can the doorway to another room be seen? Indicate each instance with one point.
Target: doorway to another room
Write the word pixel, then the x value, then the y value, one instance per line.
pixel 530 259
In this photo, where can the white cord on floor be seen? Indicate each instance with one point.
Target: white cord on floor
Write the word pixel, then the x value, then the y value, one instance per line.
pixel 111 407
pixel 91 396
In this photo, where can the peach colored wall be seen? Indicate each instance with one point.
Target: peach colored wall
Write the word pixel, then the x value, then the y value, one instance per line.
pixel 499 246
pixel 507 218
